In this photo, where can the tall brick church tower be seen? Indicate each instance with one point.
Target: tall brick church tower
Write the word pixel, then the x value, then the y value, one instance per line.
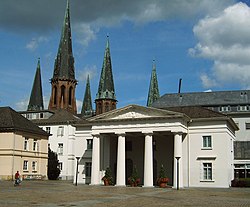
pixel 105 98
pixel 63 83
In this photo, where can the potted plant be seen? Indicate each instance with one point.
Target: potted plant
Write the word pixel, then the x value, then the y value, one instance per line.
pixel 162 180
pixel 107 178
pixel 134 179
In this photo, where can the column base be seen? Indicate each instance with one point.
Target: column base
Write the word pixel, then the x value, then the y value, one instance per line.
pixel 120 185
pixel 148 186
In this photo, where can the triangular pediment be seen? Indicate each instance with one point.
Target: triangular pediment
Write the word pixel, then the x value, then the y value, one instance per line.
pixel 135 112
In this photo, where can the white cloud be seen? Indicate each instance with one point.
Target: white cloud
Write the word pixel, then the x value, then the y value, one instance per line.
pixel 88 70
pixel 22 105
pixel 34 43
pixel 207 82
pixel 78 105
pixel 224 39
pixel 85 33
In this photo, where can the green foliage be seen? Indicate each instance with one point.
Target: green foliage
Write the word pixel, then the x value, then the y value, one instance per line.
pixel 162 173
pixel 240 182
pixel 108 176
pixel 53 170
pixel 134 178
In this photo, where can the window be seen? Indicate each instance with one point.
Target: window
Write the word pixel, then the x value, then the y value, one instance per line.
pixel 89 144
pixel 243 108
pixel 247 125
pixel 25 165
pixel 224 108
pixel 60 165
pixel 60 131
pixel 34 164
pixel 41 115
pixel 47 129
pixel 35 145
pixel 26 141
pixel 207 142
pixel 207 171
pixel 88 169
pixel 60 149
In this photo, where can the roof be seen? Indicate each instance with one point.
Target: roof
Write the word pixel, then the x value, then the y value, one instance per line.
pixel 199 113
pixel 87 109
pixel 36 97
pixel 106 89
pixel 60 116
pixel 153 93
pixel 64 63
pixel 133 112
pixel 195 112
pixel 12 121
pixel 215 98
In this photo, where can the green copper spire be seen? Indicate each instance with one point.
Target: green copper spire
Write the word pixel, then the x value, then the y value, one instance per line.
pixel 153 93
pixel 106 88
pixel 36 97
pixel 87 109
pixel 64 62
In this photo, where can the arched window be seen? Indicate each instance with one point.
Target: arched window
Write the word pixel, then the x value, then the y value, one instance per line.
pixel 63 93
pixel 99 108
pixel 70 95
pixel 55 94
pixel 106 106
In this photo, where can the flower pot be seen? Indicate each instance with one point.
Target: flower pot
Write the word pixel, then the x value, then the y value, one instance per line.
pixel 106 182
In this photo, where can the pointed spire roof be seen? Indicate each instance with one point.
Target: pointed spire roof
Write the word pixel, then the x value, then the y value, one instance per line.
pixel 153 93
pixel 87 108
pixel 36 97
pixel 64 62
pixel 106 88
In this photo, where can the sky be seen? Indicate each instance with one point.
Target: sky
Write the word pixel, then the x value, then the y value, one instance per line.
pixel 206 43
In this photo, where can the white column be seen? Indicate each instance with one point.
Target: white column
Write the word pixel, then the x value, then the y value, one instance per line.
pixel 178 153
pixel 148 160
pixel 95 171
pixel 120 175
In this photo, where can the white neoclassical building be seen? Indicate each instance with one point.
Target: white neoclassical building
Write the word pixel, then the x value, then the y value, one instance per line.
pixel 148 138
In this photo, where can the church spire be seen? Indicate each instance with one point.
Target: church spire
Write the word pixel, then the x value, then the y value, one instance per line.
pixel 64 62
pixel 36 97
pixel 105 97
pixel 63 82
pixel 153 93
pixel 87 109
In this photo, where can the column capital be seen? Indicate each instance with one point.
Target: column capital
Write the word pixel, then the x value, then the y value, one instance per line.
pixel 178 133
pixel 123 134
pixel 96 135
pixel 150 133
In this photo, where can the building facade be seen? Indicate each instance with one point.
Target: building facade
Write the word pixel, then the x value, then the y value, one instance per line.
pixel 235 104
pixel 23 147
pixel 148 138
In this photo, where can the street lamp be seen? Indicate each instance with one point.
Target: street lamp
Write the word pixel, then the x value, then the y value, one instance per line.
pixel 77 163
pixel 177 172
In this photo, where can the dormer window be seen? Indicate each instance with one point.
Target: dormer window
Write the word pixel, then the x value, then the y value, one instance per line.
pixel 224 108
pixel 243 108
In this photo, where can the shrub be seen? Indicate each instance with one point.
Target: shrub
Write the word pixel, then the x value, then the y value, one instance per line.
pixel 240 182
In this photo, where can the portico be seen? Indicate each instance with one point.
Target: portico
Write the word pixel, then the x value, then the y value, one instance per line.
pixel 135 137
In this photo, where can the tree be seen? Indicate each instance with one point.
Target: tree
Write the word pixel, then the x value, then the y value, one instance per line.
pixel 53 166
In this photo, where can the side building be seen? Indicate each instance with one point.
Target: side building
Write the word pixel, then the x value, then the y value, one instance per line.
pixel 23 147
pixel 235 104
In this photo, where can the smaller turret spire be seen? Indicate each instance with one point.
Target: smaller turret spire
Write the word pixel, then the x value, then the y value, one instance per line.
pixel 36 97
pixel 105 97
pixel 153 93
pixel 87 109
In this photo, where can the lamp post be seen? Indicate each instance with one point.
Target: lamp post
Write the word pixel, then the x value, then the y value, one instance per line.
pixel 177 172
pixel 77 163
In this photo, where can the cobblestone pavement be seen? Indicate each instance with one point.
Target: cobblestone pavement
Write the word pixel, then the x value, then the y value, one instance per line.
pixel 63 193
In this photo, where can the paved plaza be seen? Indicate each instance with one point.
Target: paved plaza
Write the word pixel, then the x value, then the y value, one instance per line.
pixel 64 193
